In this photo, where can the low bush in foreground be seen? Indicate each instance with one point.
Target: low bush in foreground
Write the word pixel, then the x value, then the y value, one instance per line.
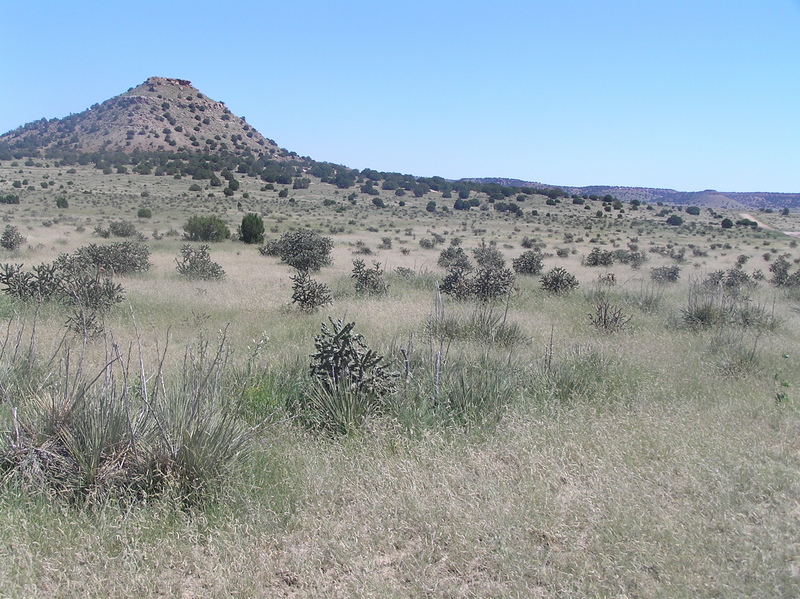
pixel 103 436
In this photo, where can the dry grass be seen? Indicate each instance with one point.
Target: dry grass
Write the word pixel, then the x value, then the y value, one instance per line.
pixel 631 465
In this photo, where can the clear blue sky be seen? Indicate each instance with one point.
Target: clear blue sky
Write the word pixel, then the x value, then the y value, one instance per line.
pixel 688 95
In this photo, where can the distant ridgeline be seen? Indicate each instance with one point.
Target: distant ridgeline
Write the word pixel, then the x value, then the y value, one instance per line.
pixel 167 127
pixel 293 171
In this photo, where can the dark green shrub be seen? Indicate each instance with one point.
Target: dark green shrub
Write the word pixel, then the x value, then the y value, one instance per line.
pixel 196 263
pixel 488 256
pixel 90 295
pixel 120 258
pixel 122 228
pixel 675 220
pixel 368 280
pixel 529 263
pixel 144 213
pixel 252 228
pixel 308 293
pixel 491 283
pixel 559 281
pixel 349 380
pixel 302 249
pixel 454 256
pixel 12 239
pixel 484 284
pixel 457 282
pixel 665 274
pixel 342 357
pixel 206 228
pixel 62 202
pixel 598 257
pixel 780 273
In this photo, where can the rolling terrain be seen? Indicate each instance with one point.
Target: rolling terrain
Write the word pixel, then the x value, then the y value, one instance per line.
pixel 482 388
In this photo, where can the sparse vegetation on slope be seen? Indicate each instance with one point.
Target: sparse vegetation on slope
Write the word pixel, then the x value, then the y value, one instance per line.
pixel 636 436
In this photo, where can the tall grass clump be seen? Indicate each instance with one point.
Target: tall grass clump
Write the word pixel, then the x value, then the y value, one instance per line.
pixel 710 305
pixel 116 434
pixel 486 323
pixel 581 374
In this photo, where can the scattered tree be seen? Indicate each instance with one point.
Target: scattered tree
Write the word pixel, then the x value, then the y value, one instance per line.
pixel 252 229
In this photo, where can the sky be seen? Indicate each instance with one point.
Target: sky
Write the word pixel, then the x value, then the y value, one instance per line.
pixel 680 94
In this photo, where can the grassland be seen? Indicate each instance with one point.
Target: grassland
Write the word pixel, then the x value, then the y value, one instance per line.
pixel 659 461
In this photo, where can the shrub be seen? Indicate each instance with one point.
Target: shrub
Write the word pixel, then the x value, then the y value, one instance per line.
pixel 119 258
pixel 490 283
pixel 303 250
pixel 457 282
pixel 529 263
pixel 557 280
pixel 632 257
pixel 62 203
pixel 368 280
pixel 675 220
pixel 144 213
pixel 485 284
pixel 206 228
pixel 665 274
pixel 488 256
pixel 252 228
pixel 308 293
pixel 122 228
pixel 726 223
pixel 349 381
pixel 12 239
pixel 90 295
pixel 732 282
pixel 196 263
pixel 598 257
pixel 454 256
pixel 362 249
pixel 780 274
pixel 607 317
